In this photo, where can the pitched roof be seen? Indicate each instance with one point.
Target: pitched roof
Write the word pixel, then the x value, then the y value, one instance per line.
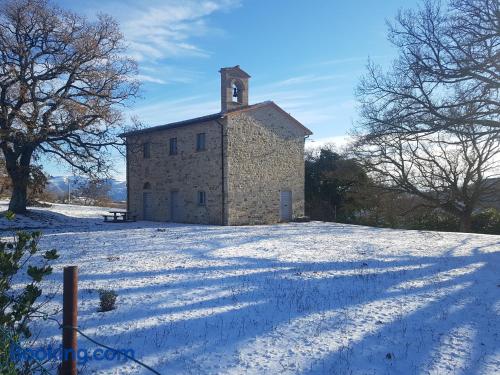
pixel 273 104
pixel 236 70
pixel 173 125
pixel 215 116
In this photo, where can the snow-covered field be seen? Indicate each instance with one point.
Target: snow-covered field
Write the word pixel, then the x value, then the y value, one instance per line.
pixel 311 298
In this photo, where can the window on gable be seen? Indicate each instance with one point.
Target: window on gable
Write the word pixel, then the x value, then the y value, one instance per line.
pixel 202 198
pixel 146 150
pixel 200 142
pixel 173 146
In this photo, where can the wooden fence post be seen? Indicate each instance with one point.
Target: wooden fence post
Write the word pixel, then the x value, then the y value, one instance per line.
pixel 70 314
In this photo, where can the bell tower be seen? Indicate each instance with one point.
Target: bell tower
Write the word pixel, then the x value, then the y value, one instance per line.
pixel 234 88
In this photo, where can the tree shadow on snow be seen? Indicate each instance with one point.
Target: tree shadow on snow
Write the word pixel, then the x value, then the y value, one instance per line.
pixel 264 295
pixel 428 301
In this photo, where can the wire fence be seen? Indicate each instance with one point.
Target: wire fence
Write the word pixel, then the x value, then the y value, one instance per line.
pixel 45 371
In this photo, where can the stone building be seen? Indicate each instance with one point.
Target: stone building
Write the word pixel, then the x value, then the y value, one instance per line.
pixel 243 165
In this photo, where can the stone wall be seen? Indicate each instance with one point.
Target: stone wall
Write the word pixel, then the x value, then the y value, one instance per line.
pixel 187 172
pixel 265 155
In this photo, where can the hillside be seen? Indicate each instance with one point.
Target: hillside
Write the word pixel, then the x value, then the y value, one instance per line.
pixel 59 186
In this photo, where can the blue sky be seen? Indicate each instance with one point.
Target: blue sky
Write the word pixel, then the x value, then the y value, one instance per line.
pixel 307 56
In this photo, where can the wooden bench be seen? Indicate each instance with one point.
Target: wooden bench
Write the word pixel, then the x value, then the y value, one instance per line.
pixel 119 217
pixel 107 217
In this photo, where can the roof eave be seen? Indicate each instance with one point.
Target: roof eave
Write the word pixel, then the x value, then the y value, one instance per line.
pixel 306 130
pixel 216 116
pixel 172 125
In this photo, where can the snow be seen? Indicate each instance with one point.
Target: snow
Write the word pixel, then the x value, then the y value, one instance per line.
pixel 309 298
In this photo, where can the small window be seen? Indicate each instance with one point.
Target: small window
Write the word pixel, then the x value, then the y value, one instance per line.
pixel 200 142
pixel 202 198
pixel 173 146
pixel 146 150
pixel 146 186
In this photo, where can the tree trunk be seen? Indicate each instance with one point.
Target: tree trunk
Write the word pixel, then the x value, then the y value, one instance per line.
pixel 465 223
pixel 18 169
pixel 19 197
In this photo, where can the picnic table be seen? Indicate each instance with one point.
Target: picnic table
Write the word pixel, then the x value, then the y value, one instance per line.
pixel 119 217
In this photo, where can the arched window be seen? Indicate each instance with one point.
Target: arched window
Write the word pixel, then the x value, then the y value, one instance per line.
pixel 237 88
pixel 146 186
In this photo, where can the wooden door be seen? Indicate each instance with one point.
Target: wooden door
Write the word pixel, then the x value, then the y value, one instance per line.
pixel 286 205
pixel 147 205
pixel 175 207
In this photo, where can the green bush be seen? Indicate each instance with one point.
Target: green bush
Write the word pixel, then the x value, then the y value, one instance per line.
pixel 107 300
pixel 20 259
pixel 487 221
pixel 434 220
pixel 7 367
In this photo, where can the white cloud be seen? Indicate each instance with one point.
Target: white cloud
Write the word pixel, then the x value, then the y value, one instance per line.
pixel 166 111
pixel 166 74
pixel 315 100
pixel 348 60
pixel 339 142
pixel 164 29
pixel 158 31
pixel 146 78
pixel 307 79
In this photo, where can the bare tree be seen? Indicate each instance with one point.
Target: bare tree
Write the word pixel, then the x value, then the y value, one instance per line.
pixel 447 73
pixel 37 183
pixel 449 171
pixel 95 192
pixel 62 81
pixel 4 179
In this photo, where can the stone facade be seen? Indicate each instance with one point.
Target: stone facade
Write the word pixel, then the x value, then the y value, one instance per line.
pixel 264 156
pixel 188 172
pixel 253 156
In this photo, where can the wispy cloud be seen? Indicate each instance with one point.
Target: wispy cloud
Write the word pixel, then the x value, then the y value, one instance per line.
pixel 307 79
pixel 347 60
pixel 323 102
pixel 339 142
pixel 166 73
pixel 163 29
pixel 157 32
pixel 166 111
pixel 147 78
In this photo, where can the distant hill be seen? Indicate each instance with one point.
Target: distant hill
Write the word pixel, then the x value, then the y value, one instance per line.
pixel 59 186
